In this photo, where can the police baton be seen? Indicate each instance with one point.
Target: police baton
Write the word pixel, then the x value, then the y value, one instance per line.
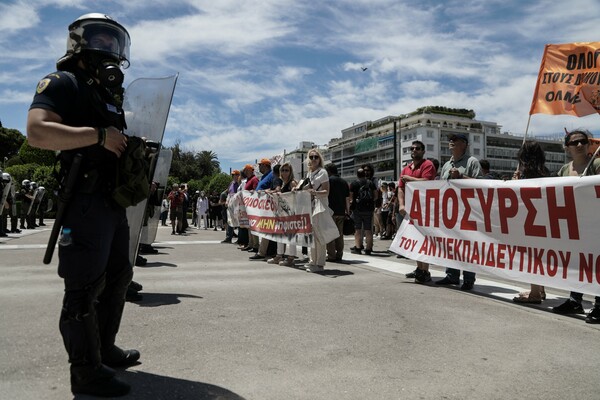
pixel 63 200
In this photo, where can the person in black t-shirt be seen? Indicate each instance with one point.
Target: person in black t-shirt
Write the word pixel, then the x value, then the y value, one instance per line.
pixel 339 194
pixel 363 193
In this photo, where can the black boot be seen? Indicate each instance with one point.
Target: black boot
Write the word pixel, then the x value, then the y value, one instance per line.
pixel 96 381
pixel 118 358
pixel 132 295
pixel 135 286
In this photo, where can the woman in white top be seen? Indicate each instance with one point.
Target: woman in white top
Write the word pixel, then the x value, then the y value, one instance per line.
pixel 202 210
pixel 319 189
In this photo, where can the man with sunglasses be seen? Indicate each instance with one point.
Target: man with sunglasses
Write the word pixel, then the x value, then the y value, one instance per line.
pixel 460 166
pixel 420 169
pixel 577 146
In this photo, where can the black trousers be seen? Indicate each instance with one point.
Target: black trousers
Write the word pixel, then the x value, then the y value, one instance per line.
pixel 96 272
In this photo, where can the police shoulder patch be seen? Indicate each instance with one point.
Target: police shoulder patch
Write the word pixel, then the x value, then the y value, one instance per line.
pixel 42 85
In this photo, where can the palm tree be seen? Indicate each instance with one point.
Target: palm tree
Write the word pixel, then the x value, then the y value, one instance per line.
pixel 208 162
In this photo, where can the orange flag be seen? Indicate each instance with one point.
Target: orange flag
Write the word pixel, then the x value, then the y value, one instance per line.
pixel 569 80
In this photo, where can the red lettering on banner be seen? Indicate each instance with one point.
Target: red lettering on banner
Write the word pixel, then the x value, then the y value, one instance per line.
pixel 449 247
pixel 565 258
pixel 432 195
pixel 450 206
pixel 416 213
pixel 490 260
pixel 500 258
pixel 552 263
pixel 512 251
pixel 537 261
pixel 527 194
pixel 567 212
pixel 466 250
pixel 424 249
pixel 486 207
pixel 474 256
pixel 522 250
pixel 507 211
pixel 465 223
pixel 456 250
pixel 585 266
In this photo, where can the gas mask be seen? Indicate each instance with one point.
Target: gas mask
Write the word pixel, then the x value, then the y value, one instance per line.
pixel 105 69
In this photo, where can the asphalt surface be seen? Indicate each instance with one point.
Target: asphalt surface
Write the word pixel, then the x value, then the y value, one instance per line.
pixel 215 325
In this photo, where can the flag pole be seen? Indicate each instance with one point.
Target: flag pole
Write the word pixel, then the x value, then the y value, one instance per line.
pixel 527 129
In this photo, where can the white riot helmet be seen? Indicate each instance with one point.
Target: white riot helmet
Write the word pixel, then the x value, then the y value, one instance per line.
pixel 34 185
pixel 6 177
pixel 102 43
pixel 26 182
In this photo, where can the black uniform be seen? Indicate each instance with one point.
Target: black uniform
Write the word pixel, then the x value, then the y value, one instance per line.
pixel 95 267
pixel 26 199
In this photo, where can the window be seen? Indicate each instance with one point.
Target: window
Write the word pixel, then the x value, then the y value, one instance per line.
pixel 430 147
pixel 429 133
pixel 476 138
pixel 476 152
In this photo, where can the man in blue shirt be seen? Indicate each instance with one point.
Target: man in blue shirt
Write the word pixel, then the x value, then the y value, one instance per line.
pixel 267 175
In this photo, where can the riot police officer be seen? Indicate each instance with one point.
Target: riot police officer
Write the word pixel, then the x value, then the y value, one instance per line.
pixel 35 202
pixel 26 199
pixel 5 187
pixel 78 110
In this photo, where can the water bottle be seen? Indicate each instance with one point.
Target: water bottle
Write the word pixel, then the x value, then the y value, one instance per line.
pixel 65 238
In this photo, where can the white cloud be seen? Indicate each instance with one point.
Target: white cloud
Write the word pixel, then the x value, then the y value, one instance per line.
pixel 17 16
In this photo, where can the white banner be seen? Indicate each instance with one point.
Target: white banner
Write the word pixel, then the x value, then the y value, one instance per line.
pixel 280 217
pixel 540 231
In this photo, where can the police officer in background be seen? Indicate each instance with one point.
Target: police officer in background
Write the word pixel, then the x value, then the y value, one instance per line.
pixel 26 198
pixel 78 109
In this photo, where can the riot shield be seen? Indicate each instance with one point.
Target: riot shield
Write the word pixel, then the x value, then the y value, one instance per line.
pixel 161 174
pixel 39 197
pixel 6 187
pixel 13 195
pixel 33 198
pixel 49 206
pixel 146 104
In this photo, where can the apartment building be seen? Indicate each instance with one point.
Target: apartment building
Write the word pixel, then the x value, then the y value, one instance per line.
pixel 374 142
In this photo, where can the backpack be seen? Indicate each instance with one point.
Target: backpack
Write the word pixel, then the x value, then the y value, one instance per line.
pixel 133 184
pixel 364 200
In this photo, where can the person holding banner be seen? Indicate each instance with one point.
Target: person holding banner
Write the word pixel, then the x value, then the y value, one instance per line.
pixel 577 146
pixel 460 166
pixel 532 164
pixel 286 254
pixel 420 169
pixel 251 184
pixel 317 184
pixel 231 190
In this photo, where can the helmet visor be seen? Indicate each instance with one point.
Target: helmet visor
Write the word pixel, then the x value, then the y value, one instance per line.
pixel 106 37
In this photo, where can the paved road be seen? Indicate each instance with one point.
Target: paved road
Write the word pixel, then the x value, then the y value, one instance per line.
pixel 214 325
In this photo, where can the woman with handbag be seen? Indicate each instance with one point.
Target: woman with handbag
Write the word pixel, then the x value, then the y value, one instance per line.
pixel 318 186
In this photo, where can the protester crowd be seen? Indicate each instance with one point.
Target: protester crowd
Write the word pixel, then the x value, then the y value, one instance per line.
pixel 374 208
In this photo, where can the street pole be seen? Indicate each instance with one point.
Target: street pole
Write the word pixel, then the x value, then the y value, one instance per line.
pixel 395 153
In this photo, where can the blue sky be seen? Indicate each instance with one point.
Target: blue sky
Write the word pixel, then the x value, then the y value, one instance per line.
pixel 258 77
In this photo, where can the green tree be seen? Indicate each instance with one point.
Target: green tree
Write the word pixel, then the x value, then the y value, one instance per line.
pixel 183 165
pixel 190 165
pixel 33 155
pixel 10 143
pixel 219 183
pixel 21 172
pixel 208 163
